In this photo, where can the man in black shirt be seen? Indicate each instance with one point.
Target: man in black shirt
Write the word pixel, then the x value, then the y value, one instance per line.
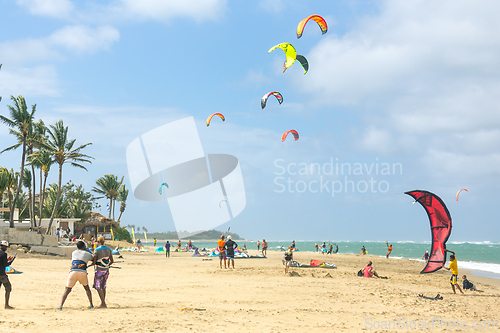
pixel 4 280
pixel 229 246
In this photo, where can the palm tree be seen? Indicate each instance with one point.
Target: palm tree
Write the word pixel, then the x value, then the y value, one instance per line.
pixel 4 181
pixel 62 151
pixel 60 206
pixel 27 184
pixel 108 186
pixel 122 198
pixel 12 178
pixel 20 123
pixel 42 160
pixel 36 140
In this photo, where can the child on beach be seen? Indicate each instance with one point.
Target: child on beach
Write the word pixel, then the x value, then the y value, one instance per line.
pixel 454 271
pixel 469 285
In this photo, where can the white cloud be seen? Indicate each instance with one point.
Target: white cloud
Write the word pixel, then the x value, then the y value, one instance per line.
pixel 421 75
pixel 35 81
pixel 84 39
pixel 51 8
pixel 199 10
pixel 54 47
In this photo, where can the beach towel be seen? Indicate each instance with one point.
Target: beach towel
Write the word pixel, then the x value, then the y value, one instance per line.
pixel 294 263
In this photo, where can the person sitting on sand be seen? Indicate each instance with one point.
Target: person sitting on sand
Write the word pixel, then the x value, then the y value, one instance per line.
pixel 369 271
pixel 469 285
pixel 288 255
pixel 264 247
pixel 222 253
pixel 454 271
pixel 78 272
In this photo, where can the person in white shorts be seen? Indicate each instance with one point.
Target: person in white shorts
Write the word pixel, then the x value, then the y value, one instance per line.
pixel 78 272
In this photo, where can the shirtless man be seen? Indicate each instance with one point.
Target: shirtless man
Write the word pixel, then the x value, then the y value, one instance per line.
pixel 264 247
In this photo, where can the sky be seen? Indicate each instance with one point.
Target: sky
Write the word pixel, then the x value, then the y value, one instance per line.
pixel 399 96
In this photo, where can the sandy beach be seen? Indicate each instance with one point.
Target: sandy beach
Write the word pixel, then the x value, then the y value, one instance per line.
pixel 149 291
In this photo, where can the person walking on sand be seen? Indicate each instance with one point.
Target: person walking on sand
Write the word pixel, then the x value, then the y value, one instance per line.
pixel 230 246
pixel 179 244
pixel 258 245
pixel 4 279
pixel 389 250
pixel 167 249
pixel 454 271
pixel 222 252
pixel 363 250
pixel 426 256
pixel 154 242
pixel 288 255
pixel 103 259
pixel 78 272
pixel 264 247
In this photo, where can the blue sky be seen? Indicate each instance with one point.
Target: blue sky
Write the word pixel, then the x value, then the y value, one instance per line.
pixel 412 86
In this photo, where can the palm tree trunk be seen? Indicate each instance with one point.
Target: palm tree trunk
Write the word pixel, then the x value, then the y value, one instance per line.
pixel 11 222
pixel 29 206
pixel 120 216
pixel 32 221
pixel 114 202
pixel 42 197
pixel 57 200
pixel 110 206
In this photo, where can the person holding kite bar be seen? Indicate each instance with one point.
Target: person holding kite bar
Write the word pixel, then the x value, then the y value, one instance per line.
pixel 454 271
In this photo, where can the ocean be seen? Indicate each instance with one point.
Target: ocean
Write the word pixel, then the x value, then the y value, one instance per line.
pixel 483 258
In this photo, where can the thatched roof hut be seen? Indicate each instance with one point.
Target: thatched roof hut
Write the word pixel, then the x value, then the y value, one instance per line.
pixel 98 220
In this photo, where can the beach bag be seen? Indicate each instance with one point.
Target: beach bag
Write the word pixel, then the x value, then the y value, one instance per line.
pixel 360 273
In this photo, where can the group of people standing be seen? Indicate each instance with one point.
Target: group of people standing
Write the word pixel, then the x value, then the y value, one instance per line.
pixel 226 251
pixel 264 247
pixel 101 258
pixel 323 248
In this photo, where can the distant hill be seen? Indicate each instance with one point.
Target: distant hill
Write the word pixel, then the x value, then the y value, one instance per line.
pixel 210 234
